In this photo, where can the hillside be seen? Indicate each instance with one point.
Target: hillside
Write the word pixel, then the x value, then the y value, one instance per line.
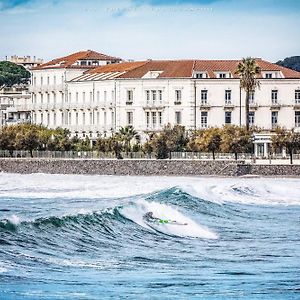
pixel 292 62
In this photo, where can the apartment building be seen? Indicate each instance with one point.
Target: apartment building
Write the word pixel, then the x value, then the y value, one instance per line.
pixel 150 94
pixel 49 85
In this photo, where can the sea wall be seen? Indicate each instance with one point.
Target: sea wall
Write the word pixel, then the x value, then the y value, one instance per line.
pixel 145 167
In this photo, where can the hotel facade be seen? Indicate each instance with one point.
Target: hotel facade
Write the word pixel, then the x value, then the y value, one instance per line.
pixel 95 95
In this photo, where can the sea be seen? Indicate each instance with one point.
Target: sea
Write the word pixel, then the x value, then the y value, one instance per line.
pixel 85 237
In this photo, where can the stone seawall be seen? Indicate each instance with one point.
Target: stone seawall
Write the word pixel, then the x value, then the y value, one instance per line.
pixel 145 167
pixel 121 167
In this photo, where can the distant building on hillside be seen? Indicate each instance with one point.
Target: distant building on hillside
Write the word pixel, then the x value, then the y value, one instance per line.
pixel 26 61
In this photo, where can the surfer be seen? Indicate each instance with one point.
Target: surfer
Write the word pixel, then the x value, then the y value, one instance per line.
pixel 150 218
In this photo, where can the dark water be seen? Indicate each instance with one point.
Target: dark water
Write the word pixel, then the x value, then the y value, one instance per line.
pixel 55 243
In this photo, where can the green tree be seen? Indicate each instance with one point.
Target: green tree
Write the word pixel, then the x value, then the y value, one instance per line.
pixel 209 140
pixel 8 138
pixel 27 138
pixel 235 139
pixel 126 135
pixel 168 140
pixel 12 74
pixel 288 139
pixel 247 70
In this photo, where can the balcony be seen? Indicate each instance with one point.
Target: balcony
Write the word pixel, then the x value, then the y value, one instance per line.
pixel 253 105
pixel 204 105
pixel 296 104
pixel 228 105
pixel 129 102
pixel 154 105
pixel 177 102
pixel 275 105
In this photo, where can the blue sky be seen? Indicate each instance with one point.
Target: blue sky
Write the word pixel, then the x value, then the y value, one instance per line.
pixel 158 29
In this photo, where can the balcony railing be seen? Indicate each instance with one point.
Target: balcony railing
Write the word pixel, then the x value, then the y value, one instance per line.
pixel 275 105
pixel 204 105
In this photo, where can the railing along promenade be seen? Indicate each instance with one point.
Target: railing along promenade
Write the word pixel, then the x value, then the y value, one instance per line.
pixel 131 155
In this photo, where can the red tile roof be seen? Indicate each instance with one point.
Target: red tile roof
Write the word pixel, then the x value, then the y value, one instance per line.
pixel 69 61
pixel 184 68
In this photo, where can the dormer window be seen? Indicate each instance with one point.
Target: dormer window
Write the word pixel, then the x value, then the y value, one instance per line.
pixel 269 75
pixel 223 75
pixel 199 75
pixel 152 74
pixel 83 63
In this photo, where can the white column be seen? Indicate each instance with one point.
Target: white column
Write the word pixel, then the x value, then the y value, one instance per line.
pixel 265 149
pixel 255 149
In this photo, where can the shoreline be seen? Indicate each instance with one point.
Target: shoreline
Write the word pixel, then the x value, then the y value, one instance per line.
pixel 138 167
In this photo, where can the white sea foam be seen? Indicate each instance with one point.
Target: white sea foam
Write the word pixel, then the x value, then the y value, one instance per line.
pixel 267 191
pixel 136 211
pixel 14 219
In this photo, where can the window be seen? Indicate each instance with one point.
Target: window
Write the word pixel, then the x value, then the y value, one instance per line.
pixel 199 75
pixel 297 118
pixel 203 96
pixel 104 118
pixel 154 119
pixel 160 96
pixel 228 97
pixel 251 118
pixel 148 97
pixel 274 96
pixel 98 96
pixel 269 75
pixel 222 75
pixel 98 117
pixel 54 79
pixel 42 98
pixel 105 96
pixel 204 119
pixel 147 119
pixel 178 117
pixel 54 98
pixel 83 96
pixel 112 118
pixel 54 119
pixel 227 117
pixel 251 97
pixel 48 98
pixel 76 117
pixel 41 80
pixel 177 96
pixel 274 119
pixel 129 98
pixel 130 118
pixel 70 97
pixel 48 80
pixel 112 95
pixel 42 118
pixel 153 93
pixel 160 118
pixel 48 119
pixel 91 96
pixel 76 97
pixel 91 118
pixel 83 118
pixel 70 118
pixel 297 96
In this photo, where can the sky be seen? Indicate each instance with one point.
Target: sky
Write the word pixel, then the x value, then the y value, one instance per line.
pixel 156 29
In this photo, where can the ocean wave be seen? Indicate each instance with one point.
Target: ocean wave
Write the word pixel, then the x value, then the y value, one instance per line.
pixel 260 191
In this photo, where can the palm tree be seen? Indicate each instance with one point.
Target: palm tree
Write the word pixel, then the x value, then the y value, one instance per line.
pixel 127 134
pixel 247 70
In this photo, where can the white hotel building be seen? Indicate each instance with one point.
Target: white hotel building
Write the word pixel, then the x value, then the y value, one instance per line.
pixel 99 94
